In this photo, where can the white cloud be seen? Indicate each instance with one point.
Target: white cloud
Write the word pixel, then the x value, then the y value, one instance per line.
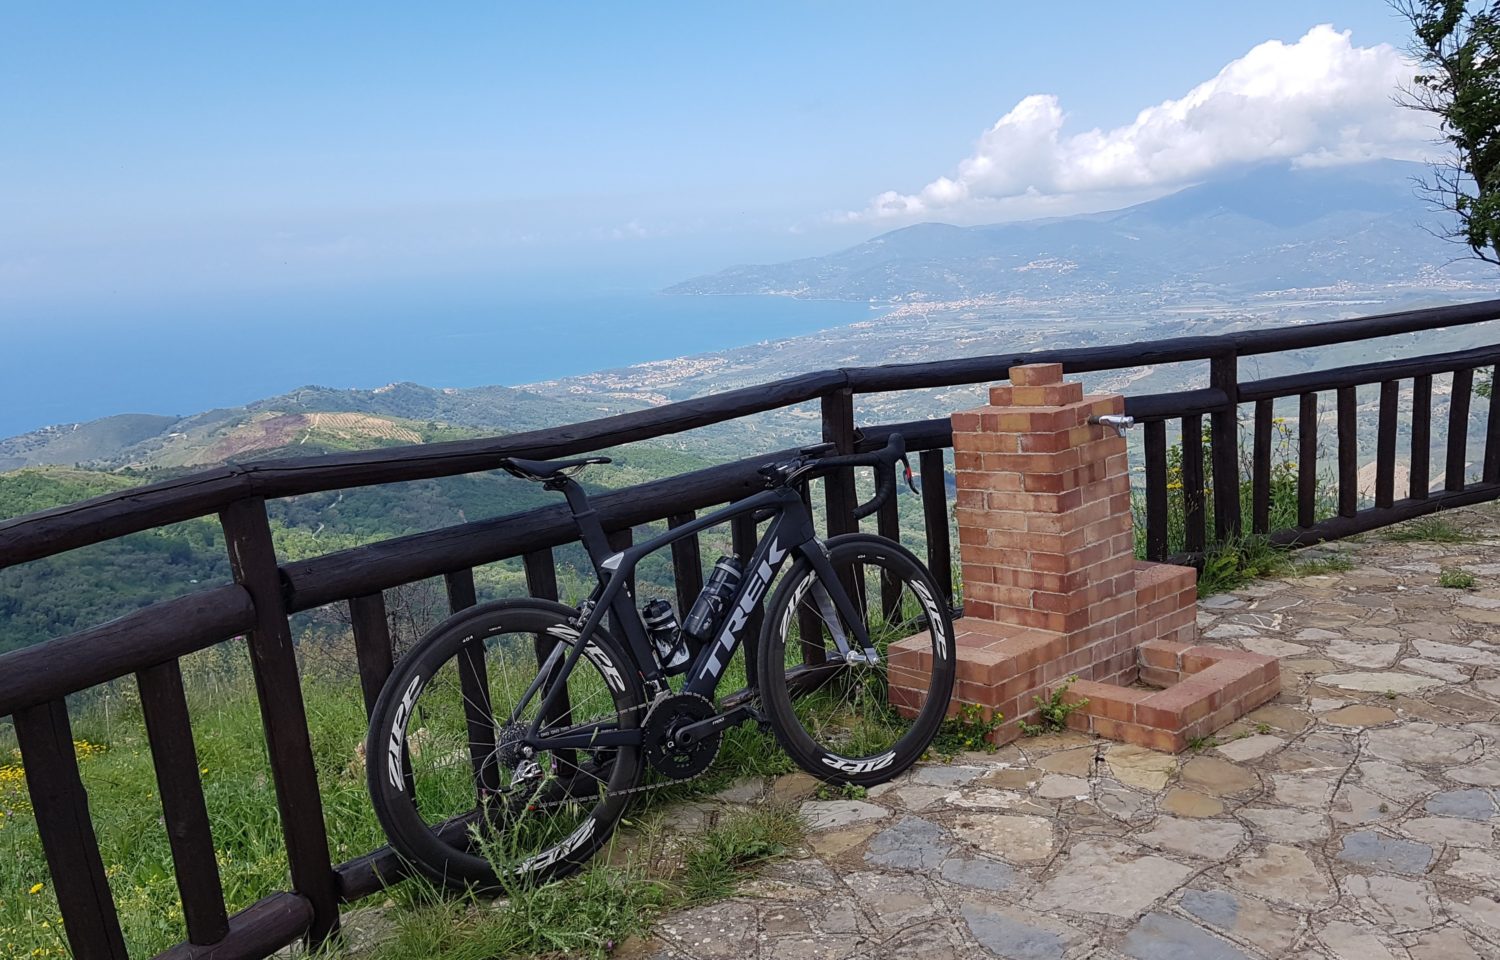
pixel 1320 101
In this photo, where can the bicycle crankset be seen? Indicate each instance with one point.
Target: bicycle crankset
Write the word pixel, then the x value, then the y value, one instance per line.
pixel 664 750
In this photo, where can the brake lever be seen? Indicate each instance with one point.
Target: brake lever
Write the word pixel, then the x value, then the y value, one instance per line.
pixel 911 482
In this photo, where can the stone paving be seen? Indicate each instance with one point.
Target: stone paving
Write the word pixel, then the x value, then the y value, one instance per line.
pixel 1353 818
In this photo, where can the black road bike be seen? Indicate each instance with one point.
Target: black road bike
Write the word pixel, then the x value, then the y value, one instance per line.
pixel 508 742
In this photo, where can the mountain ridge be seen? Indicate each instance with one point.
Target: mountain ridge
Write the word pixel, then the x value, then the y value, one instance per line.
pixel 1262 228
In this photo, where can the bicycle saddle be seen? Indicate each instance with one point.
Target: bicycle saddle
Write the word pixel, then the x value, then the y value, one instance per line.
pixel 542 470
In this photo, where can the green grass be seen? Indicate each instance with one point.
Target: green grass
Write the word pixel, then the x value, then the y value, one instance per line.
pixel 1318 566
pixel 589 914
pixel 1454 578
pixel 1433 529
pixel 117 770
pixel 969 730
pixel 1052 711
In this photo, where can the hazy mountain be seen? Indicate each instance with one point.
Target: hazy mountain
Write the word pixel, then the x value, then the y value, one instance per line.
pixel 1267 228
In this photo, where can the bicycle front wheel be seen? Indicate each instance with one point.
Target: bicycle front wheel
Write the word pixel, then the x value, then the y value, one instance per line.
pixel 448 777
pixel 855 722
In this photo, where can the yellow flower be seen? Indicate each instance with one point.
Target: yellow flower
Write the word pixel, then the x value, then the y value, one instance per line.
pixel 36 888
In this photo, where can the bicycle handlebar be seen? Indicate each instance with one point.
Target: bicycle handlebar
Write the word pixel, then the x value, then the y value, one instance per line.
pixel 883 460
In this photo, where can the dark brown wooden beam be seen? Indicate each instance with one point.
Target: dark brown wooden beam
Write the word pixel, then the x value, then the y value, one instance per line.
pixel 1194 491
pixel 541 574
pixel 1156 490
pixel 1492 431
pixel 839 498
pixel 1224 446
pixel 256 932
pixel 61 809
pixel 1307 459
pixel 1421 437
pixel 1458 429
pixel 273 660
pixel 1363 374
pixel 1372 518
pixel 175 756
pixel 1348 434
pixel 1260 469
pixel 155 634
pixel 372 645
pixel 1385 445
pixel 935 521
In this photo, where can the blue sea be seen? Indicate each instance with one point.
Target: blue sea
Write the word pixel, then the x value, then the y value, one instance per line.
pixel 188 359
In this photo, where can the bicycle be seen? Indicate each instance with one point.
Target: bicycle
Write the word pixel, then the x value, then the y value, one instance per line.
pixel 475 798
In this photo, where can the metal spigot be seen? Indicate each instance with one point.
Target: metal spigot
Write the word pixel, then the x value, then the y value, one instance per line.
pixel 1115 421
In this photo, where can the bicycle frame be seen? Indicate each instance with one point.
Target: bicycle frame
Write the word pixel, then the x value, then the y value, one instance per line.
pixel 790 533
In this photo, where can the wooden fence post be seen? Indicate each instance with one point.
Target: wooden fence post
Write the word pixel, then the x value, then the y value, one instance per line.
pixel 1225 445
pixel 273 659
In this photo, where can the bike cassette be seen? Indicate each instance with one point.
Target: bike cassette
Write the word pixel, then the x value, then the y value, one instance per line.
pixel 663 751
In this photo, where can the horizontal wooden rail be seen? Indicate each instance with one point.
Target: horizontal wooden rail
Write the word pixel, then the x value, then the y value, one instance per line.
pixel 357 571
pixel 1372 518
pixel 152 635
pixel 103 518
pixel 1363 374
pixel 1170 406
pixel 255 932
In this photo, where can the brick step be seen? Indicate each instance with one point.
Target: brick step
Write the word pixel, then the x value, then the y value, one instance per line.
pixel 1214 687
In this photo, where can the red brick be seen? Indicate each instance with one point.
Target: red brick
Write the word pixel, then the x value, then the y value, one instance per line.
pixel 1036 374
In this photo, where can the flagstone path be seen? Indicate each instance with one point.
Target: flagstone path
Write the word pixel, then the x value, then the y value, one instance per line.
pixel 1353 818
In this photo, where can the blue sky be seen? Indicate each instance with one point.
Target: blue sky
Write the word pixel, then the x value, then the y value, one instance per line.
pixel 159 155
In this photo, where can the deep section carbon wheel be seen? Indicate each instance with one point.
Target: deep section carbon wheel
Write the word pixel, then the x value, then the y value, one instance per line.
pixel 853 721
pixel 458 793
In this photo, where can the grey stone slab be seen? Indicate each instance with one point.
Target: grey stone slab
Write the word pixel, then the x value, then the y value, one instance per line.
pixel 894 900
pixel 830 814
pixel 1161 937
pixel 1017 838
pixel 1468 804
pixel 1424 744
pixel 1395 901
pixel 945 775
pixel 1350 941
pixel 1365 848
pixel 910 844
pixel 1282 874
pixel 1287 826
pixel 1218 907
pixel 1107 878
pixel 980 873
pixel 1213 839
pixel 1450 830
pixel 1007 935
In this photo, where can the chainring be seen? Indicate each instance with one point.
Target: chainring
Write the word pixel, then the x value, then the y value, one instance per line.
pixel 666 716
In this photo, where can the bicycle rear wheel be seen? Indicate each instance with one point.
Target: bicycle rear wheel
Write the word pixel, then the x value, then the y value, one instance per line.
pixel 446 772
pixel 855 722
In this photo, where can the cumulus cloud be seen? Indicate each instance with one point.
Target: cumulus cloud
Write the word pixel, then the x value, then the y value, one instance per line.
pixel 1319 101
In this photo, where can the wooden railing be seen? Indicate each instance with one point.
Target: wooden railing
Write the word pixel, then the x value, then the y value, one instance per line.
pixel 34 682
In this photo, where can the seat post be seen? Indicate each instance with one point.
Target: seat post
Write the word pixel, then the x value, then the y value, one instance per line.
pixel 590 530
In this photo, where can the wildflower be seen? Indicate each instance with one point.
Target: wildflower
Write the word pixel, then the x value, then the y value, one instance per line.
pixel 36 888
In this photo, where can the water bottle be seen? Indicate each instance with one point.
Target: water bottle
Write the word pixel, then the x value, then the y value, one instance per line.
pixel 709 609
pixel 661 627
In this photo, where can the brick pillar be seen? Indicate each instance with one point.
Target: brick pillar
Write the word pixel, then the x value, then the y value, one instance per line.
pixel 1052 589
pixel 1045 532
